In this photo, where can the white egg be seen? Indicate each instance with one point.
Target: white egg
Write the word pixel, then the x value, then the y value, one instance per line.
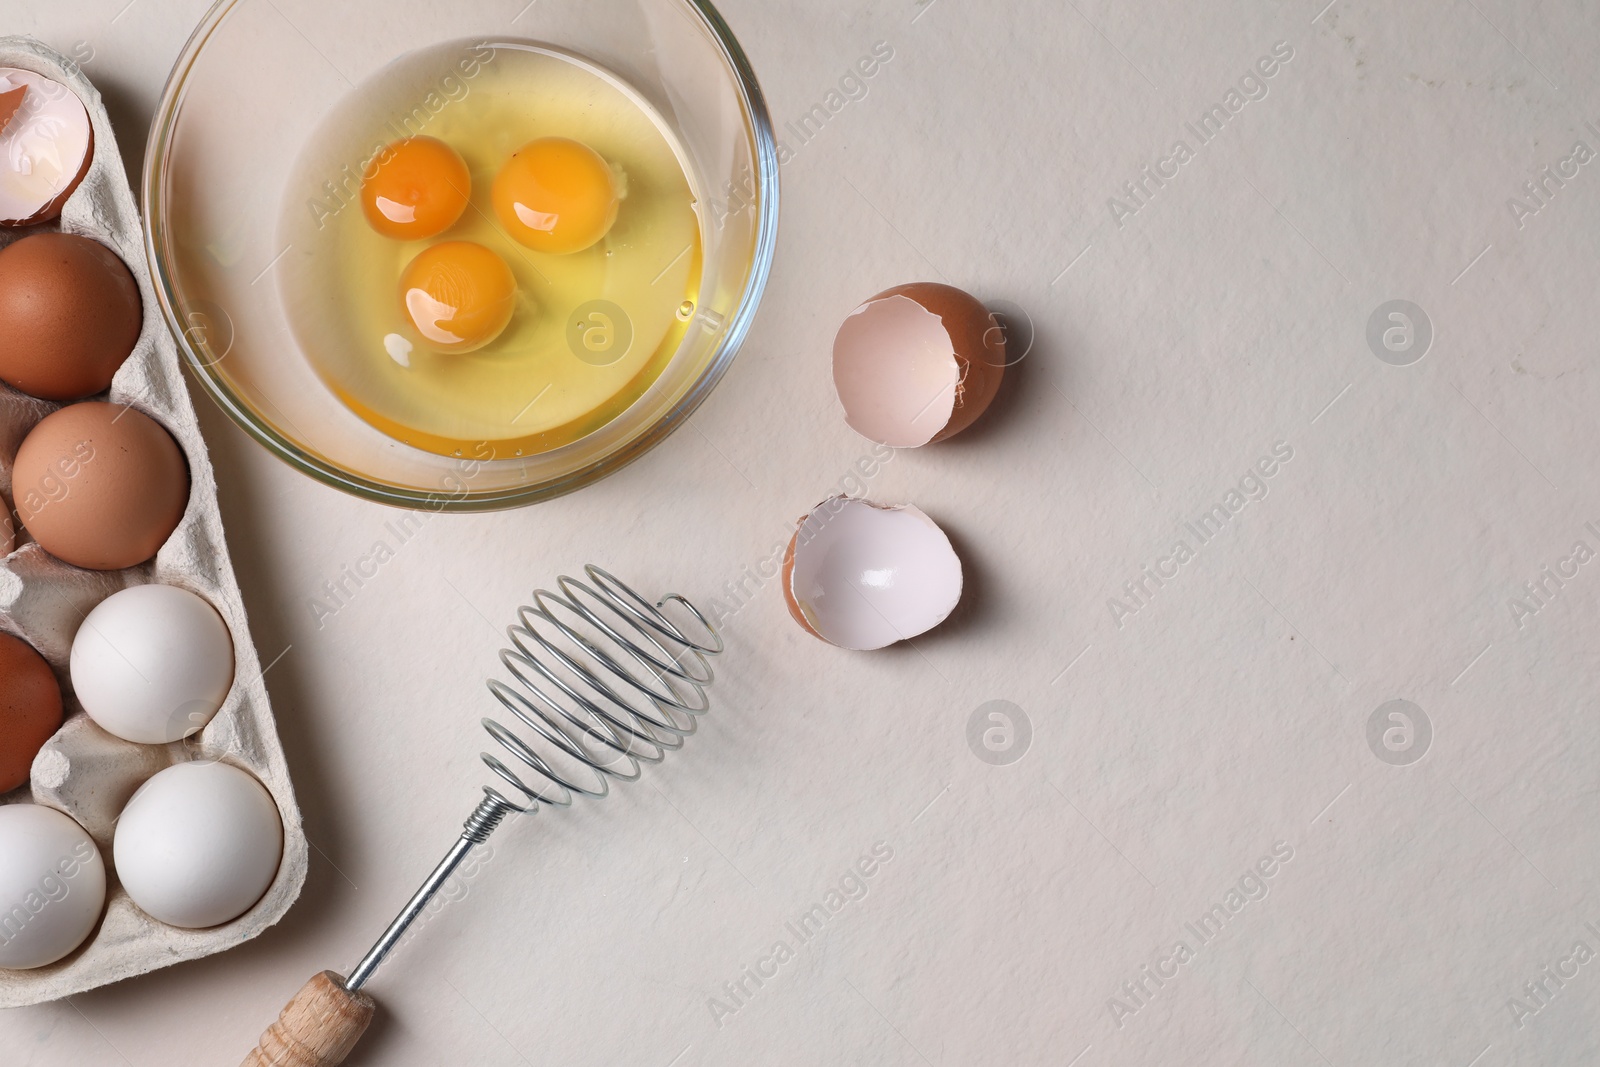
pixel 52 885
pixel 198 844
pixel 152 663
pixel 862 575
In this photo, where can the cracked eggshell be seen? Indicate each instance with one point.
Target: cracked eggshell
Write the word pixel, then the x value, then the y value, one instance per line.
pixel 863 576
pixel 917 363
pixel 46 146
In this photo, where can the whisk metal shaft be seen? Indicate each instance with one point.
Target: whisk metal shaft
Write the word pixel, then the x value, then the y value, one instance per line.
pixel 605 681
pixel 482 823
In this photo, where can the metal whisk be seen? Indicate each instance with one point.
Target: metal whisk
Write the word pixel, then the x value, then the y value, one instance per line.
pixel 604 682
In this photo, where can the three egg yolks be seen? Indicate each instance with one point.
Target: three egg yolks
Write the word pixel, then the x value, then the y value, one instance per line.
pixel 554 195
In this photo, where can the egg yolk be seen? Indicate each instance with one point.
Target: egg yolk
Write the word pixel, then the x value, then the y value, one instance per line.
pixel 556 195
pixel 459 295
pixel 415 188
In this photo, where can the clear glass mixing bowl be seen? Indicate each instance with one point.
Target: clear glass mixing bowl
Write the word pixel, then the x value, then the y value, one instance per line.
pixel 252 84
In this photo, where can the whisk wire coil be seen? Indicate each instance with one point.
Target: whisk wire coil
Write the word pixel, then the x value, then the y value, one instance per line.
pixel 605 681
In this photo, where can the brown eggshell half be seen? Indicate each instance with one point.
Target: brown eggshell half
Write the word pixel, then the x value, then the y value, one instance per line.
pixel 101 486
pixel 70 314
pixel 30 709
pixel 52 208
pixel 917 363
pixel 863 575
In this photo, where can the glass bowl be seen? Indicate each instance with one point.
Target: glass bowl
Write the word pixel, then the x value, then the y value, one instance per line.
pixel 254 82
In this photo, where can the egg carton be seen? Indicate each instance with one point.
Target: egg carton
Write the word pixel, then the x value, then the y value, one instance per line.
pixel 82 770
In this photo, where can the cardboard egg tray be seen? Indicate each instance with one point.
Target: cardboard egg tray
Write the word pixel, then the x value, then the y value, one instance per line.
pixel 82 770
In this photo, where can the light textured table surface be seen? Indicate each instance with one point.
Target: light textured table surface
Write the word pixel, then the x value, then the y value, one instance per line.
pixel 1028 912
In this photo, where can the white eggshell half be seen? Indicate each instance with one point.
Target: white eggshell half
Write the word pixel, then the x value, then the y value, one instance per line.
pixel 198 844
pixel 895 369
pixel 867 575
pixel 152 663
pixel 52 885
pixel 43 148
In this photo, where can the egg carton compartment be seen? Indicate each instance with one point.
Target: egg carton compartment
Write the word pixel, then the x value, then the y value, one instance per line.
pixel 83 770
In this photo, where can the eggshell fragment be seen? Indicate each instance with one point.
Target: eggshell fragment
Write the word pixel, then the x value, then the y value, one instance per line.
pixel 863 576
pixel 917 363
pixel 45 148
pixel 10 101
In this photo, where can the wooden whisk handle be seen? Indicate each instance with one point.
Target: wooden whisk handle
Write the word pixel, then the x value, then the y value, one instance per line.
pixel 318 1028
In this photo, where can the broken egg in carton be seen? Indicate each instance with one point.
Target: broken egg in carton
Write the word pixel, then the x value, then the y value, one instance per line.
pixel 84 772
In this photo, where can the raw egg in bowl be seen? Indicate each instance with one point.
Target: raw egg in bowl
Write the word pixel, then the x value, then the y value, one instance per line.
pixel 477 260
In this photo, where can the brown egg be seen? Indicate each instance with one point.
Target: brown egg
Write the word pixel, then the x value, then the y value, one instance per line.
pixel 100 485
pixel 69 315
pixel 917 363
pixel 30 708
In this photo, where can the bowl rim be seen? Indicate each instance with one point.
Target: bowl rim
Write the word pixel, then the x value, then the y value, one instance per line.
pixel 758 123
